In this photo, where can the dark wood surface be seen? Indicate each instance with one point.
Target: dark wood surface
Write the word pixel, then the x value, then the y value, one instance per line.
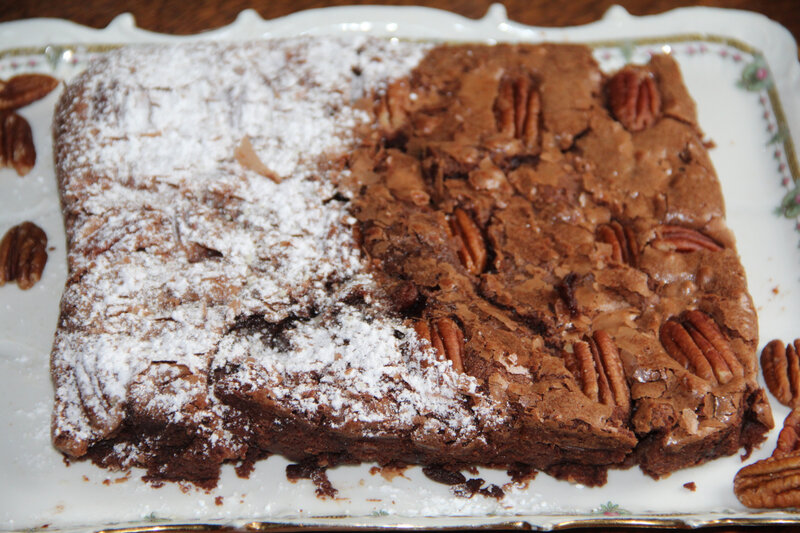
pixel 178 17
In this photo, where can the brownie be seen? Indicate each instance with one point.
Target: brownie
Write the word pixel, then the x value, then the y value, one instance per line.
pixel 356 250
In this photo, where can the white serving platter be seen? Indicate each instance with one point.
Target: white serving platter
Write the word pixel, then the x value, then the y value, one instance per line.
pixel 742 70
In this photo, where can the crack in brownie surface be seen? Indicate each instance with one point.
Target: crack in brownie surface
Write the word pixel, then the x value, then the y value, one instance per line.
pixel 446 255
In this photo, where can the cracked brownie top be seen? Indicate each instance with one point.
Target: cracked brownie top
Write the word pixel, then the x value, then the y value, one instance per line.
pixel 570 224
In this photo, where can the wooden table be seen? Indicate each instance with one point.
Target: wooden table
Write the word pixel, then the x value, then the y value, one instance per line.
pixel 172 16
pixel 176 17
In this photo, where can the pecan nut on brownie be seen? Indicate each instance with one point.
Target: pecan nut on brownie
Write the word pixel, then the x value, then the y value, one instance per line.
pixel 346 250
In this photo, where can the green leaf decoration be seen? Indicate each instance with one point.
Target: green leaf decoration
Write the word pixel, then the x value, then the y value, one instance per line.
pixel 152 517
pixel 778 137
pixel 611 509
pixel 756 75
pixel 626 49
pixel 790 207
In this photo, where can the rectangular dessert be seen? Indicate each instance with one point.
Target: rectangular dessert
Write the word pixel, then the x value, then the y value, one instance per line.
pixel 348 250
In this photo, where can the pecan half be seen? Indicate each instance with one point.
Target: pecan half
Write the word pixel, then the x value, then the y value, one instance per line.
pixel 23 254
pixel 634 98
pixel 16 143
pixel 446 338
pixel 696 342
pixel 517 109
pixel 770 483
pixel 391 108
pixel 622 240
pixel 684 240
pixel 596 365
pixel 472 247
pixel 781 367
pixel 789 437
pixel 24 89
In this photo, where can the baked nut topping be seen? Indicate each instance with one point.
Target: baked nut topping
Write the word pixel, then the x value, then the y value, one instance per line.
pixel 446 338
pixel 472 247
pixel 23 254
pixel 517 109
pixel 16 143
pixel 634 98
pixel 677 238
pixel 781 367
pixel 596 364
pixel 697 343
pixel 391 112
pixel 24 89
pixel 622 240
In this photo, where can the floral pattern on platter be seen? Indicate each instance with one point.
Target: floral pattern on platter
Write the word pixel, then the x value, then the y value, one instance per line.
pixel 611 509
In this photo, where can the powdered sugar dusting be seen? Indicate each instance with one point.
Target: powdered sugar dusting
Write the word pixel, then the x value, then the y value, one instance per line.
pixel 350 365
pixel 173 243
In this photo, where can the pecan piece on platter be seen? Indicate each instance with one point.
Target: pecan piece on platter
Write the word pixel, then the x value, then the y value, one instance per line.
pixel 781 367
pixel 25 89
pixel 23 255
pixel 770 483
pixel 16 143
pixel 789 437
pixel 774 482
